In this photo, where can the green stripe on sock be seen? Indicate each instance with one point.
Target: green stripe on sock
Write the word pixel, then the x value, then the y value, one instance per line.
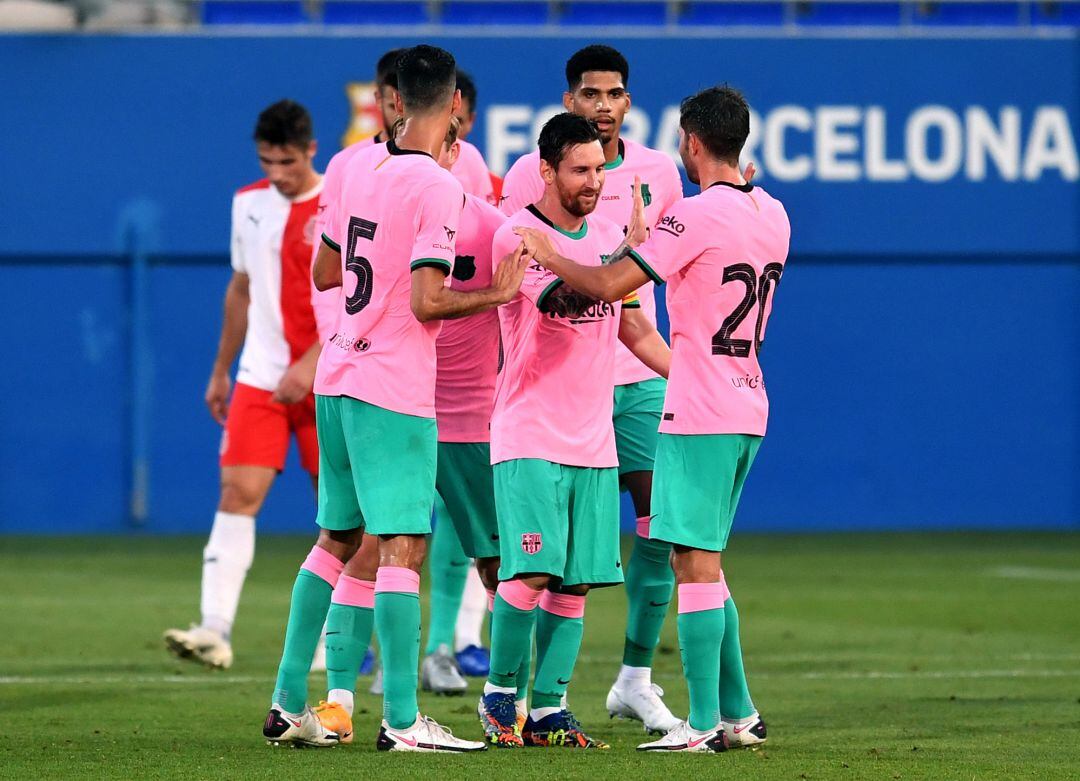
pixel 558 641
pixel 511 641
pixel 307 613
pixel 700 636
pixel 348 635
pixel 397 624
pixel 650 583
pixel 735 702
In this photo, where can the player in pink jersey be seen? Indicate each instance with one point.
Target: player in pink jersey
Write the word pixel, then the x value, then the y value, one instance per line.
pixel 597 78
pixel 268 311
pixel 723 253
pixel 390 241
pixel 469 166
pixel 553 445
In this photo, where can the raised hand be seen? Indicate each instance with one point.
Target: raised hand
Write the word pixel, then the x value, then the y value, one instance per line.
pixel 510 272
pixel 638 228
pixel 537 244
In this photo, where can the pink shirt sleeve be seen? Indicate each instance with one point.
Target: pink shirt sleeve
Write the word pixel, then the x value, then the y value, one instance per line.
pixel 522 185
pixel 437 223
pixel 673 244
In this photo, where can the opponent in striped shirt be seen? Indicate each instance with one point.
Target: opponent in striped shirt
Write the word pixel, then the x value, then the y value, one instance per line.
pixel 390 242
pixel 723 253
pixel 597 88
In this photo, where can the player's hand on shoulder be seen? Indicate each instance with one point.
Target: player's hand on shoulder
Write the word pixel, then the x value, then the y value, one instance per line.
pixel 217 395
pixel 295 384
pixel 537 244
pixel 510 272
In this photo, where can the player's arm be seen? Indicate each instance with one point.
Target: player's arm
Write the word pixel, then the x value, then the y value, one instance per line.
pixel 643 340
pixel 432 300
pixel 299 378
pixel 326 273
pixel 233 331
pixel 612 282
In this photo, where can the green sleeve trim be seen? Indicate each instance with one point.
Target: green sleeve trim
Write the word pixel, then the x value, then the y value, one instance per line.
pixel 329 242
pixel 547 291
pixel 439 263
pixel 646 268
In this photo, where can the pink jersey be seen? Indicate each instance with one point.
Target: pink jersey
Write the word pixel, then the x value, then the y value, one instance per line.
pixel 272 238
pixel 325 302
pixel 468 348
pixel 553 396
pixel 471 170
pixel 722 253
pixel 398 212
pixel 661 186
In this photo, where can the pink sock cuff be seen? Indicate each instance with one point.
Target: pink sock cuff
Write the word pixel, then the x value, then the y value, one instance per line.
pixel 491 600
pixel 354 592
pixel 565 605
pixel 695 597
pixel 643 526
pixel 517 594
pixel 324 564
pixel 398 579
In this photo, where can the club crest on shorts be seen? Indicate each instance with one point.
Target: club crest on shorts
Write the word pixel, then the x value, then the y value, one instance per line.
pixel 531 543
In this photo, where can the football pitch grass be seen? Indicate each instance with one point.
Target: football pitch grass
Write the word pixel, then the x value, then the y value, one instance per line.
pixel 916 656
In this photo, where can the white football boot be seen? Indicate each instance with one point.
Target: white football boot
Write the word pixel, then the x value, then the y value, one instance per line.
pixel 425 734
pixel 745 732
pixel 439 673
pixel 200 644
pixel 304 729
pixel 686 738
pixel 641 702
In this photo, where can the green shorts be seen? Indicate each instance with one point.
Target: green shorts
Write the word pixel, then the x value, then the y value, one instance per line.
pixel 464 481
pixel 638 407
pixel 376 468
pixel 696 487
pixel 559 520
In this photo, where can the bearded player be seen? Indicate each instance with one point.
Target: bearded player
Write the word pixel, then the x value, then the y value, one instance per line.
pixel 597 78
pixel 723 254
pixel 553 445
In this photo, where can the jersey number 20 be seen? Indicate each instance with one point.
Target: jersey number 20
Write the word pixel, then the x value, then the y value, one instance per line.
pixel 757 291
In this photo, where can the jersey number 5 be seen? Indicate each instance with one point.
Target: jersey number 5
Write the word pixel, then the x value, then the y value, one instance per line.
pixel 757 291
pixel 361 266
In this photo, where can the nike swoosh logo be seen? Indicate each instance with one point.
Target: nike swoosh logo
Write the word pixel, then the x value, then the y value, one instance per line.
pixel 294 723
pixel 743 728
pixel 651 603
pixel 332 633
pixel 561 682
pixel 407 741
pixel 696 743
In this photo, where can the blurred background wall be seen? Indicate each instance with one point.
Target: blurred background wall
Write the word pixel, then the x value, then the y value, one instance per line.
pixel 923 358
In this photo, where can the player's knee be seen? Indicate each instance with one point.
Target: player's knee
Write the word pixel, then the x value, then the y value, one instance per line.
pixel 340 544
pixel 489 572
pixel 240 497
pixel 579 590
pixel 364 564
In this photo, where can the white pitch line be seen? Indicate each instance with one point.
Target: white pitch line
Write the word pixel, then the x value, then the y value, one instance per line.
pixel 48 680
pixel 1038 573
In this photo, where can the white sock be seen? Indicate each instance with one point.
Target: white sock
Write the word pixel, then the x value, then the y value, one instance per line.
pixel 739 722
pixel 471 614
pixel 490 688
pixel 342 697
pixel 227 558
pixel 634 676
pixel 538 713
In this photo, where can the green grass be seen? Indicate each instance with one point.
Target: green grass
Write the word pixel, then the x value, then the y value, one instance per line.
pixel 949 656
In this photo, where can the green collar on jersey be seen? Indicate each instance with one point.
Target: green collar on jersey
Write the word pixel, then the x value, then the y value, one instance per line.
pixel 743 188
pixel 619 159
pixel 394 149
pixel 578 234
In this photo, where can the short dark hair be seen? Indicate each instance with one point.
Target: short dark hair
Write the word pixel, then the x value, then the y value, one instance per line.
pixel 386 69
pixel 563 131
pixel 596 57
pixel 286 123
pixel 427 76
pixel 468 88
pixel 720 118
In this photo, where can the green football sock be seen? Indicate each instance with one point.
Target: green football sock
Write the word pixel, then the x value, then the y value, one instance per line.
pixel 397 624
pixel 448 568
pixel 348 635
pixel 558 640
pixel 700 635
pixel 735 702
pixel 307 612
pixel 523 673
pixel 511 641
pixel 650 582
